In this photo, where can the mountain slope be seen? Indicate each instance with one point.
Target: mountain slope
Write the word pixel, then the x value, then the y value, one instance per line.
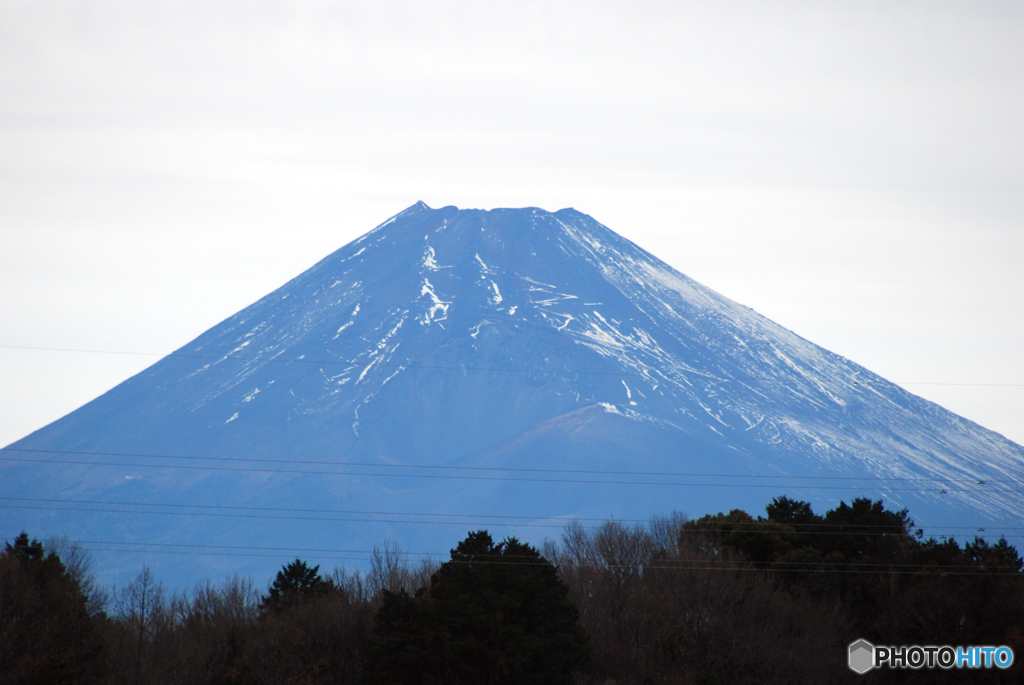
pixel 484 341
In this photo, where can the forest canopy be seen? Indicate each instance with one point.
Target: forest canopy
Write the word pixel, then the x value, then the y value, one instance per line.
pixel 724 598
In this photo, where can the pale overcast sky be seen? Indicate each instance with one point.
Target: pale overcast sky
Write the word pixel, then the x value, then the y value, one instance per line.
pixel 853 171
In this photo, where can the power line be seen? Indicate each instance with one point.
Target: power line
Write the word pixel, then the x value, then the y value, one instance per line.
pixel 280 518
pixel 410 518
pixel 330 362
pixel 434 555
pixel 290 518
pixel 704 564
pixel 504 469
pixel 297 511
pixel 235 469
pixel 224 507
pixel 661 564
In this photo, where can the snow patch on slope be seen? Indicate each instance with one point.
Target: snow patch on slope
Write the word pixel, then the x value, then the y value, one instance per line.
pixel 436 305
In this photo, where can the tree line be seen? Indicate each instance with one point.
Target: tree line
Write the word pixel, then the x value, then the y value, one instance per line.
pixel 726 598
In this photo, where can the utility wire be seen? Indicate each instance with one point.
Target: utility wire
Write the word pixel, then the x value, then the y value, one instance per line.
pixel 507 469
pixel 481 521
pixel 437 555
pixel 665 564
pixel 293 360
pixel 802 528
pixel 236 469
pixel 661 564
pixel 280 518
pixel 286 518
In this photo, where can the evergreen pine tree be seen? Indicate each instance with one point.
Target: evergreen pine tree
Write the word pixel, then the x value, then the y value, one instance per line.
pixel 295 583
pixel 47 634
pixel 496 613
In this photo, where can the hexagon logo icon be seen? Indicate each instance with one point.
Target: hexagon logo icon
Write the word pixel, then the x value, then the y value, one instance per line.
pixel 862 656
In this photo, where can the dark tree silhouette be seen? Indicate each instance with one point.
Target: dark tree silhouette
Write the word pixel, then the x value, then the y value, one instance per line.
pixel 295 583
pixel 47 634
pixel 790 512
pixel 495 613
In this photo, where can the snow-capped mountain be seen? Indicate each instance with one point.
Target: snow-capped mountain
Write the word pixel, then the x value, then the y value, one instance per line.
pixel 473 365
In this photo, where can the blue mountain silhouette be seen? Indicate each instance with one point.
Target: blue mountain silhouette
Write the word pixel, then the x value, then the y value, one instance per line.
pixel 506 369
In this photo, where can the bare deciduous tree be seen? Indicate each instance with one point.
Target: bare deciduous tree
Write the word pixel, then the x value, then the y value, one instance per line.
pixel 79 564
pixel 661 606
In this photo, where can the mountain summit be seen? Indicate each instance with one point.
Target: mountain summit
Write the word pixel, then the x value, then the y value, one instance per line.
pixel 456 369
